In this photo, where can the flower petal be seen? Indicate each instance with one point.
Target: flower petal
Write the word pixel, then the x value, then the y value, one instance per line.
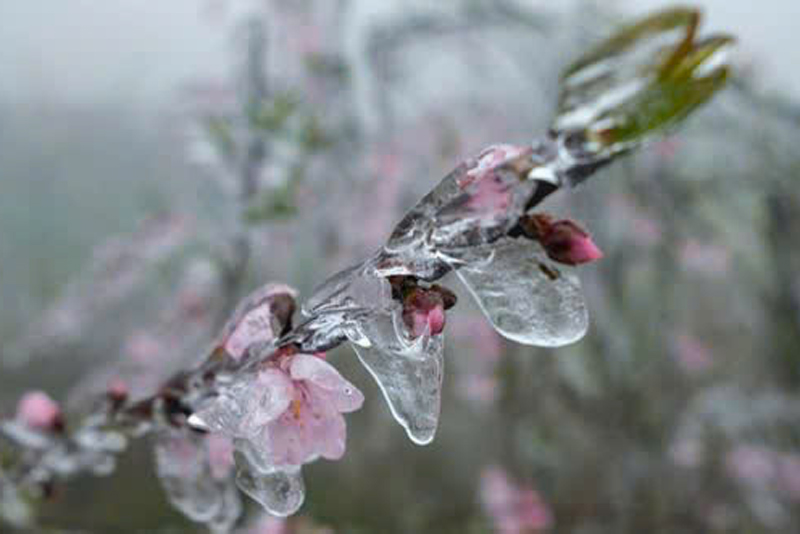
pixel 344 395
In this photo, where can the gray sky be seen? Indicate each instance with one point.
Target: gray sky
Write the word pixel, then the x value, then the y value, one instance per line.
pixel 137 51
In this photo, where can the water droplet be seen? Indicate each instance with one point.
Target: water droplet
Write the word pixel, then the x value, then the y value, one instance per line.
pixel 521 300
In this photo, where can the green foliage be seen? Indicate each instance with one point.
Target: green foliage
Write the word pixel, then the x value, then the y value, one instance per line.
pixel 644 79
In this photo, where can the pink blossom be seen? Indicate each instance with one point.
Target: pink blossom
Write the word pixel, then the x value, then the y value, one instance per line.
pixel 252 322
pixel 290 412
pixel 477 333
pixel 692 355
pixel 311 425
pixel 143 348
pixel 789 473
pixel 513 509
pixel 751 464
pixel 704 258
pixel 269 525
pixel 38 411
pixel 563 240
pixel 480 389
pixel 667 148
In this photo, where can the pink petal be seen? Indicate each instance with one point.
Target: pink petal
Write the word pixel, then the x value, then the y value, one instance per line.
pixel 436 319
pixel 254 327
pixel 37 410
pixel 252 321
pixel 311 428
pixel 344 395
pixel 274 392
pixel 489 196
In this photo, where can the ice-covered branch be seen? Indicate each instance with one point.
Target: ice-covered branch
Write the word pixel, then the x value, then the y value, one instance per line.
pixel 266 395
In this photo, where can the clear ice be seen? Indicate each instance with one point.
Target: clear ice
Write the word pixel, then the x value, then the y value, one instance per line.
pixel 409 373
pixel 280 491
pixel 528 298
pixel 183 467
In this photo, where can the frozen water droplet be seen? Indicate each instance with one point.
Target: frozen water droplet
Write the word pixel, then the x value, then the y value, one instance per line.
pixel 183 469
pixel 229 511
pixel 527 298
pixel 408 372
pixel 280 491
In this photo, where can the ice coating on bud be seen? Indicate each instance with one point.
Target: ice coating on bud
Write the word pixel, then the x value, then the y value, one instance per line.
pixel 526 297
pixel 259 319
pixel 38 411
pixel 396 339
pixel 408 371
pixel 514 509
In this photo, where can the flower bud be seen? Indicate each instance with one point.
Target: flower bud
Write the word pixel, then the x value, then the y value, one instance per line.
pixel 38 411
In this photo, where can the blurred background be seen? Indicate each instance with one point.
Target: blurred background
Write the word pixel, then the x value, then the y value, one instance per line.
pixel 159 161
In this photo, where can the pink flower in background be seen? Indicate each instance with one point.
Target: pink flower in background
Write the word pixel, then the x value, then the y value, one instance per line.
pixel 751 464
pixel 477 381
pixel 644 229
pixel 667 148
pixel 480 389
pixel 38 411
pixel 692 355
pixel 269 525
pixel 512 508
pixel 479 335
pixel 789 475
pixel 705 258
pixel 687 452
pixel 143 347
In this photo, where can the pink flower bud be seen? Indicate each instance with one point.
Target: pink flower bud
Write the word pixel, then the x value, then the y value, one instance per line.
pixel 424 310
pixel 563 240
pixel 38 411
pixel 117 391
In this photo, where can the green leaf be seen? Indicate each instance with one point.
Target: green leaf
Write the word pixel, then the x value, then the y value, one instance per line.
pixel 640 82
